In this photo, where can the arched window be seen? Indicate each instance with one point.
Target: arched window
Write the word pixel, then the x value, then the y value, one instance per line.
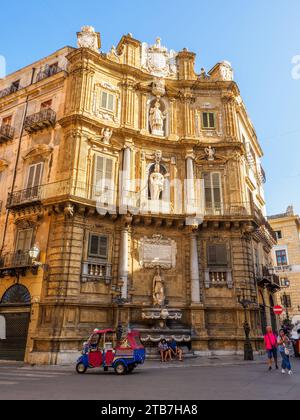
pixel 2 328
pixel 16 294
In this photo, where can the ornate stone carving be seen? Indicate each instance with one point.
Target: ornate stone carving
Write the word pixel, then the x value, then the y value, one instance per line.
pixel 106 135
pixel 158 61
pixel 157 252
pixel 226 72
pixel 88 38
pixel 210 153
pixel 159 87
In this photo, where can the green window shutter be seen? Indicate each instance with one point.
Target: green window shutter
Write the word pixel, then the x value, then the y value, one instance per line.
pixel 212 120
pixel 205 120
pixel 104 100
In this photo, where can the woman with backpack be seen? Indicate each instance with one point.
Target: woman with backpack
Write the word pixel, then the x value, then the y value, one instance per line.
pixel 284 344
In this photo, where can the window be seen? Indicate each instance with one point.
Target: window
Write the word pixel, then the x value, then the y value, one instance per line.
pixel 286 301
pixel 98 246
pixel 103 178
pixel 278 234
pixel 107 101
pixel 213 195
pixel 24 240
pixel 285 283
pixel 46 104
pixel 281 257
pixel 217 255
pixel 6 121
pixel 208 120
pixel 35 173
pixel 15 86
pixel 53 69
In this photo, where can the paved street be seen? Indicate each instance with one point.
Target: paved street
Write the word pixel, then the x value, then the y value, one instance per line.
pixel 219 381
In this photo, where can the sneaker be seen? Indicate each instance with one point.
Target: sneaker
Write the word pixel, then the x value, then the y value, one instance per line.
pixel 290 373
pixel 283 371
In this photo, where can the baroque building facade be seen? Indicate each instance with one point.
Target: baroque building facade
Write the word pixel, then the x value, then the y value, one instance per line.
pixel 286 256
pixel 132 192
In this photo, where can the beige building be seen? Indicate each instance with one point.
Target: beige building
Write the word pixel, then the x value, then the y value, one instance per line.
pixel 286 255
pixel 132 193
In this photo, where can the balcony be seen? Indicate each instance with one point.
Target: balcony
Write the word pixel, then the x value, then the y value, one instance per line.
pixel 233 210
pixel 6 133
pixel 48 72
pixel 269 279
pixel 95 271
pixel 218 277
pixel 15 262
pixel 10 90
pixel 39 121
pixel 24 197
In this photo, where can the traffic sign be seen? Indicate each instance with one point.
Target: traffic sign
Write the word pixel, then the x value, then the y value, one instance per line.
pixel 278 310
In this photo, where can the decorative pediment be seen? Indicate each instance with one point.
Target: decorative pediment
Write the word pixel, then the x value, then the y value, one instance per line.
pixel 3 165
pixel 41 151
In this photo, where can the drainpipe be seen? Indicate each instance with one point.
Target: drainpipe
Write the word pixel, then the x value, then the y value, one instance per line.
pixel 17 159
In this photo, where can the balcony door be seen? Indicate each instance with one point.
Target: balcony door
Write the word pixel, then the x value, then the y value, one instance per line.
pixel 104 188
pixel 213 193
pixel 34 181
pixel 23 245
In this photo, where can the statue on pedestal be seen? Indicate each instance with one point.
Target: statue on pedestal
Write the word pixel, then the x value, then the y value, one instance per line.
pixel 157 118
pixel 159 296
pixel 157 183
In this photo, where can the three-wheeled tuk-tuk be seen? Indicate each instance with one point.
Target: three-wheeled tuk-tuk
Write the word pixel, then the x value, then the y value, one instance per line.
pixel 99 351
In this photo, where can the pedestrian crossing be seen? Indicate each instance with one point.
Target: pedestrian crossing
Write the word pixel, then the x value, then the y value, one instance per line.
pixel 12 376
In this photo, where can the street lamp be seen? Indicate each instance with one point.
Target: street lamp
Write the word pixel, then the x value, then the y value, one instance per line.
pixel 248 349
pixel 34 254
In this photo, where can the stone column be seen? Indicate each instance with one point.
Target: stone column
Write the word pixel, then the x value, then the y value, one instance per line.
pixel 126 181
pixel 190 186
pixel 194 270
pixel 123 262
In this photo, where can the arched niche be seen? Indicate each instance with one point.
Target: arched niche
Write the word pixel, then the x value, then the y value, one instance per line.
pixel 164 107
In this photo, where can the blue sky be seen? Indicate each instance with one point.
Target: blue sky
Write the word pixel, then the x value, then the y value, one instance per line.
pixel 260 38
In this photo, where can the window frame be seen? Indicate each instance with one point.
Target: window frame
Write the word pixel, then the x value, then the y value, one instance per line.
pixel 92 256
pixel 211 128
pixel 19 231
pixel 114 98
pixel 282 252
pixel 212 192
pixel 222 264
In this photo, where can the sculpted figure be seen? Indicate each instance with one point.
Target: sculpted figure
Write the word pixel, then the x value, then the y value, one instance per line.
pixel 158 290
pixel 157 183
pixel 157 118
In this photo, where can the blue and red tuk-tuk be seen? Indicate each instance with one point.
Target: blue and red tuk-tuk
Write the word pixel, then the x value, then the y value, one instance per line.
pixel 99 351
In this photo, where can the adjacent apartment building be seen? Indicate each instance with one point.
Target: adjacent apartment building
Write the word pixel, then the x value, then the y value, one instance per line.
pixel 286 256
pixel 132 193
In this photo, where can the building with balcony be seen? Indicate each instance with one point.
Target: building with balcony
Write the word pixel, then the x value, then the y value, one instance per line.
pixel 286 256
pixel 140 184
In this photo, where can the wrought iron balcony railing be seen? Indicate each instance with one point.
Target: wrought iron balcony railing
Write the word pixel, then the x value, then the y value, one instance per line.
pixel 14 260
pixel 268 278
pixel 234 209
pixel 11 89
pixel 43 119
pixel 95 270
pixel 48 72
pixel 6 133
pixel 21 198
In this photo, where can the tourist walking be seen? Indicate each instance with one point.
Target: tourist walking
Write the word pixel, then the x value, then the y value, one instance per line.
pixel 284 344
pixel 271 348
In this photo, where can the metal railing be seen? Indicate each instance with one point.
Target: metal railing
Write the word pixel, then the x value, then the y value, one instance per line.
pixel 39 120
pixel 18 259
pixel 8 91
pixel 29 195
pixel 48 71
pixel 7 132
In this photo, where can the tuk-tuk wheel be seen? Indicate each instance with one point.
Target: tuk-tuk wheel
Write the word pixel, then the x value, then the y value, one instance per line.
pixel 120 369
pixel 81 368
pixel 106 369
pixel 131 368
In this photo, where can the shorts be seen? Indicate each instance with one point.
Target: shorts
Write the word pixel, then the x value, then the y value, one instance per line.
pixel 272 354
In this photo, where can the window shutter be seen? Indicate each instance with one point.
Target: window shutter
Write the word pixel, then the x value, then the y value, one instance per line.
pixel 110 105
pixel 211 120
pixel 93 245
pixel 30 177
pixel 24 240
pixel 216 182
pixel 98 246
pixel 205 120
pixel 103 245
pixel 103 100
pixel 208 191
pixel 217 255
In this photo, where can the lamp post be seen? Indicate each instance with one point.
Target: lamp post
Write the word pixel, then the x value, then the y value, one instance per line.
pixel 248 349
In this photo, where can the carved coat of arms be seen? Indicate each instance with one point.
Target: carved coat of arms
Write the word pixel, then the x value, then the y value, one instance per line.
pixel 158 61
